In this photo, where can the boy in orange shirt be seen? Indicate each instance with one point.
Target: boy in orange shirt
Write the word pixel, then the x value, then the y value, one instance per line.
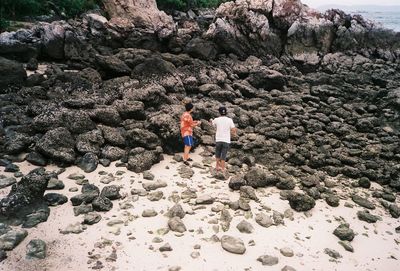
pixel 187 124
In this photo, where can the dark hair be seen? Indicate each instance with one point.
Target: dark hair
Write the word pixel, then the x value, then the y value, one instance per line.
pixel 222 110
pixel 188 106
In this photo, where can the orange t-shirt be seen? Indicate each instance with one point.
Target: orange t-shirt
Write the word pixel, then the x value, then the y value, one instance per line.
pixel 187 124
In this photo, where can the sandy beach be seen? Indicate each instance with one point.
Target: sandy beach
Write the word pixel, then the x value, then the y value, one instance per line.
pixel 133 242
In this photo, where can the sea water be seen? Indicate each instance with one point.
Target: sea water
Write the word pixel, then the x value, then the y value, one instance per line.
pixel 388 19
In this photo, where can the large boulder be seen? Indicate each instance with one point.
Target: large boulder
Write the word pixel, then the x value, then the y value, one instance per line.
pixel 11 73
pixel 203 49
pixel 143 13
pixel 21 45
pixel 140 159
pixel 58 145
pixel 52 38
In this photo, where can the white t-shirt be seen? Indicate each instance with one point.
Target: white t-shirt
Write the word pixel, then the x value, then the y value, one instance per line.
pixel 224 126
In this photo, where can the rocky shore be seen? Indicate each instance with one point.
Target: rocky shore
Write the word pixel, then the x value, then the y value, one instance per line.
pixel 316 98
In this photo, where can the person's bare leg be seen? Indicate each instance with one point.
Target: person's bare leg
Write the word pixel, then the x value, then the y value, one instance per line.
pixel 186 153
pixel 222 165
pixel 217 166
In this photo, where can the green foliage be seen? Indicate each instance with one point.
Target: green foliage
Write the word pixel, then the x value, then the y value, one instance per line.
pixel 16 9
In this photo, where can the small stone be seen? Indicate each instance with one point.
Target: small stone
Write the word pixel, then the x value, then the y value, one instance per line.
pixel 82 209
pixel 157 240
pixel 347 246
pixel 363 202
pixel 245 227
pixel 176 210
pixel 287 252
pixel 154 185
pixel 114 222
pixel 165 247
pixel 55 199
pixel 364 182
pixel 195 254
pixel 102 204
pixel 55 184
pixel 149 213
pixel 73 189
pixel 264 220
pixel 205 199
pixel 367 217
pixel 91 218
pixel 176 224
pixel 73 228
pixel 278 218
pixel 248 192
pixel 268 260
pixel 288 268
pixel 332 200
pixel 76 176
pixel 155 196
pixel 232 244
pixel 36 249
pixel 148 175
pixel 344 233
pixel 332 253
pixel 6 181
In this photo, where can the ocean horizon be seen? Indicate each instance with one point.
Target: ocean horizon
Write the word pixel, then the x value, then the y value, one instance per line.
pixel 388 17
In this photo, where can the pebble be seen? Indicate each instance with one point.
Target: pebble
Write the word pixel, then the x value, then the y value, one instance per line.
pixel 232 244
pixel 268 260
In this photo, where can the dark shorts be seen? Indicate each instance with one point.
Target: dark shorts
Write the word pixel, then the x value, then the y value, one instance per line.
pixel 188 141
pixel 221 150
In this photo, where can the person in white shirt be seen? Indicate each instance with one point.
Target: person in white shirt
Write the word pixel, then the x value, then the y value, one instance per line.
pixel 225 127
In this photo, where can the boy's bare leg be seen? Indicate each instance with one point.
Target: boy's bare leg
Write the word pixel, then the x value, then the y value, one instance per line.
pixel 186 153
pixel 217 164
pixel 222 165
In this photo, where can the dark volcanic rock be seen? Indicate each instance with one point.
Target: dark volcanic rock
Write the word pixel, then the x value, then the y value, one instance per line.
pixel 26 192
pixel 367 217
pixel 236 182
pixel 102 204
pixel 36 159
pixel 89 162
pixel 203 49
pixel 258 178
pixel 344 233
pixel 36 249
pixel 6 181
pixel 141 159
pixel 111 192
pixel 363 202
pixel 301 202
pixel 12 238
pixel 54 199
pixel 11 73
pixel 58 145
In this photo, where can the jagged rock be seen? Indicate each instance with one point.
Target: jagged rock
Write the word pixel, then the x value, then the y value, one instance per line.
pixel 36 249
pixel 258 178
pixel 36 159
pixel 301 202
pixel 205 199
pixel 344 233
pixel 232 244
pixel 347 245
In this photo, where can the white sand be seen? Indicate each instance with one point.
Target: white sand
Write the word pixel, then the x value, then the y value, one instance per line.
pixel 375 244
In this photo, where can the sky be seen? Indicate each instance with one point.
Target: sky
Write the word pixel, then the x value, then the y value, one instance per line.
pixel 317 3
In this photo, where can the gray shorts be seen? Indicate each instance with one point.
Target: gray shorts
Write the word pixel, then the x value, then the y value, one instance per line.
pixel 221 149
